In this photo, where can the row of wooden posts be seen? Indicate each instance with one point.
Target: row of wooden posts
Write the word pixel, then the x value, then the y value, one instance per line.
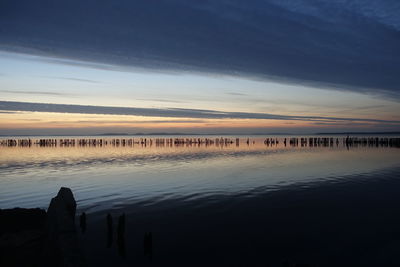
pixel 177 142
pixel 118 142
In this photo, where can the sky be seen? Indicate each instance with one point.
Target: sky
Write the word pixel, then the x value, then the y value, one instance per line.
pixel 227 66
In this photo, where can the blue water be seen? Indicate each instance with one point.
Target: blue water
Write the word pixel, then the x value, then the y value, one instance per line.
pixel 250 204
pixel 109 177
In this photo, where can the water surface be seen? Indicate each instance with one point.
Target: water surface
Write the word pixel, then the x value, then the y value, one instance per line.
pixel 108 176
pixel 224 203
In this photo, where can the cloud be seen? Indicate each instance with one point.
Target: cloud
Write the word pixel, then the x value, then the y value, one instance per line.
pixel 170 112
pixel 341 124
pixel 160 100
pixel 75 79
pixel 236 94
pixel 350 45
pixel 33 92
pixel 127 121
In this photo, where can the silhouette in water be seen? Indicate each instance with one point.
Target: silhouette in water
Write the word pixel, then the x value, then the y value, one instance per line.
pixel 82 222
pixel 109 230
pixel 148 245
pixel 121 235
pixel 180 142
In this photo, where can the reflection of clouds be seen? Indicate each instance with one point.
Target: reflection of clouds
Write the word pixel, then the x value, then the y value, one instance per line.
pixel 105 157
pixel 171 112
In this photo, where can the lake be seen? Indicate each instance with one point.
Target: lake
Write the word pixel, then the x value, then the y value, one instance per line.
pixel 238 201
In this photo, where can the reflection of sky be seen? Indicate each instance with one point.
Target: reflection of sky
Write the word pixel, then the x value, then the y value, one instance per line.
pixel 105 175
pixel 45 80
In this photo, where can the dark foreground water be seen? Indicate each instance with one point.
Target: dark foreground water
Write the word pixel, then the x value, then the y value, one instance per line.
pixel 247 205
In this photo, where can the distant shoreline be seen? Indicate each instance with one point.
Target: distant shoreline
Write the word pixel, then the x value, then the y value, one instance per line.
pixel 208 134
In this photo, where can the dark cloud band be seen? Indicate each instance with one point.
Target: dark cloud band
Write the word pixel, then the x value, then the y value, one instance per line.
pixel 169 112
pixel 321 42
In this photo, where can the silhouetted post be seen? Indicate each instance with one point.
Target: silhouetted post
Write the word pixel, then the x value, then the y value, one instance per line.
pixel 148 245
pixel 61 242
pixel 109 230
pixel 82 222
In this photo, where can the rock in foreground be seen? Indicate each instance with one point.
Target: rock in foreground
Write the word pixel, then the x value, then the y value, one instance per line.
pixel 32 237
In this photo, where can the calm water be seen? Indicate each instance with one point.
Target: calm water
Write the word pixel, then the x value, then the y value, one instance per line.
pixel 251 204
pixel 110 176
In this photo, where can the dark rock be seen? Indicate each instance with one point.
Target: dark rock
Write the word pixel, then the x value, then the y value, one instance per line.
pixel 30 237
pixel 17 219
pixel 21 236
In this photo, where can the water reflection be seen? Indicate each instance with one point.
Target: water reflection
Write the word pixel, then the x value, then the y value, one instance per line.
pixel 162 201
pixel 110 172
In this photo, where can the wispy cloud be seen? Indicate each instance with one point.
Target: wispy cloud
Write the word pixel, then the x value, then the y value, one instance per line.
pixel 236 94
pixel 342 124
pixel 128 121
pixel 34 92
pixel 74 79
pixel 171 112
pixel 160 100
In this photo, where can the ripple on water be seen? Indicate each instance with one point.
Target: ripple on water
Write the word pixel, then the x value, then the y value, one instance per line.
pixel 147 179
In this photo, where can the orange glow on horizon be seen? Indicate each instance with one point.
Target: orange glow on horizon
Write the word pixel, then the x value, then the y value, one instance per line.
pixel 43 120
pixel 64 120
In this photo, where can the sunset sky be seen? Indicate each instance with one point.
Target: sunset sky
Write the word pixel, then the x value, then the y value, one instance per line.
pixel 87 67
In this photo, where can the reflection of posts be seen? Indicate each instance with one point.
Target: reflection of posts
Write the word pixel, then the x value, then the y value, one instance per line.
pixel 148 245
pixel 109 230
